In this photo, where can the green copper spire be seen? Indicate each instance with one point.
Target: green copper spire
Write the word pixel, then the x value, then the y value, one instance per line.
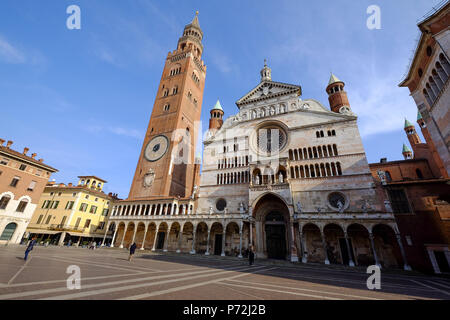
pixel 408 124
pixel 217 106
pixel 333 79
pixel 406 149
pixel 419 115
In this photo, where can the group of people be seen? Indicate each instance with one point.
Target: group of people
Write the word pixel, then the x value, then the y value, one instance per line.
pixel 92 245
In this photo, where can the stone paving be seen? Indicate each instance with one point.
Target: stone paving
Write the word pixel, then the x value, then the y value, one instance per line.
pixel 107 274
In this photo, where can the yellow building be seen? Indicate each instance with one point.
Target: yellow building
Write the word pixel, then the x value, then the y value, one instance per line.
pixel 69 214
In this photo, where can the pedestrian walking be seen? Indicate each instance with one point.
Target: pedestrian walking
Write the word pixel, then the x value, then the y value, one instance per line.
pixel 132 250
pixel 251 256
pixel 29 248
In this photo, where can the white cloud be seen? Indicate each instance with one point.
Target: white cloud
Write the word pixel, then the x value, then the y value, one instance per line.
pixel 10 54
pixel 120 131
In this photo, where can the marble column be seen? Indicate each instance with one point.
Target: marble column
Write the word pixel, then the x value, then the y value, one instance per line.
pixel 114 236
pixel 145 235
pixel 194 235
pixel 104 237
pixel 375 256
pixel 302 244
pixel 294 257
pixel 350 260
pixel 207 243
pixel 240 241
pixel 123 237
pixel 166 240
pixel 134 234
pixel 155 238
pixel 61 239
pixel 324 244
pixel 402 250
pixel 180 239
pixel 223 242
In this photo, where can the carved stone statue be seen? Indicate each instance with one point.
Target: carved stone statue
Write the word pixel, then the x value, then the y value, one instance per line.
pixel 387 205
pixel 281 178
pixel 365 207
pixel 149 178
pixel 194 192
pixel 299 207
pixel 211 211
pixel 241 208
pixel 382 176
pixel 340 206
pixel 257 182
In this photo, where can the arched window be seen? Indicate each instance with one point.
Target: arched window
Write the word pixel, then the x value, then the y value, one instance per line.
pixel 444 62
pixel 437 79
pixel 388 176
pixel 333 132
pixel 335 150
pixel 22 206
pixel 4 202
pixel 8 232
pixel 419 174
pixel 167 107
pixel 317 134
pixel 339 170
pixel 175 90
pixel 427 97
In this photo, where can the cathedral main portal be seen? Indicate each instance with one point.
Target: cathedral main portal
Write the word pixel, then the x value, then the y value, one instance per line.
pixel 275 236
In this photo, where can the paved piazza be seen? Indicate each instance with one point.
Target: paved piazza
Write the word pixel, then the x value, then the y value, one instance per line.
pixel 106 274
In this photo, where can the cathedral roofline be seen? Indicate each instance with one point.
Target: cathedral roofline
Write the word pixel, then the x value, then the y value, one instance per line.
pixel 293 89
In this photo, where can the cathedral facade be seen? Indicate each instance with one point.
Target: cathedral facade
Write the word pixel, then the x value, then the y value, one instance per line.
pixel 285 175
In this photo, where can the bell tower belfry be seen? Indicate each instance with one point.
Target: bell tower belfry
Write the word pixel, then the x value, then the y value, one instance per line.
pixel 166 165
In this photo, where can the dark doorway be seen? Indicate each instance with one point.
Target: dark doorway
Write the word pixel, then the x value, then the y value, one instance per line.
pixel 218 245
pixel 160 241
pixel 276 241
pixel 441 260
pixel 344 251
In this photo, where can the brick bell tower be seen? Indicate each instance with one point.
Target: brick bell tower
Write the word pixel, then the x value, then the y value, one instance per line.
pixel 166 166
pixel 336 94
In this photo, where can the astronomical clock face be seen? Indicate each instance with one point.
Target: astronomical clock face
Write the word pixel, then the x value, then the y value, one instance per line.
pixel 156 148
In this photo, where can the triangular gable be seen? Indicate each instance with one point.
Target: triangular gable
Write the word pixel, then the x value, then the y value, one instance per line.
pixel 268 90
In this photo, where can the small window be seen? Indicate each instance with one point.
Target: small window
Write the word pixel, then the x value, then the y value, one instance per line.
pixel 39 172
pixel 22 167
pixel 166 107
pixel 69 205
pixel 83 207
pixel 87 197
pixel 93 210
pixel 14 182
pixel 420 72
pixel 87 223
pixel 419 174
pixel 4 202
pixel 40 219
pixel 429 51
pixel 55 204
pixel 48 219
pixel 4 161
pixel 399 201
pixel 105 212
pixel 22 205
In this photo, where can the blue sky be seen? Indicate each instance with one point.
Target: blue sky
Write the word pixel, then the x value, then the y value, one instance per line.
pixel 81 99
